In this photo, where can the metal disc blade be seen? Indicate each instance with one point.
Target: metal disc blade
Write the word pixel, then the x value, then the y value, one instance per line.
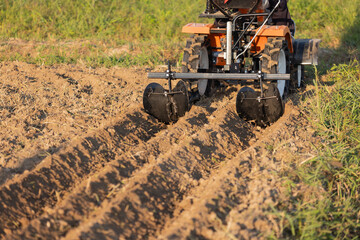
pixel 273 105
pixel 156 103
pixel 165 106
pixel 248 107
pixel 202 86
pixel 262 112
pixel 181 99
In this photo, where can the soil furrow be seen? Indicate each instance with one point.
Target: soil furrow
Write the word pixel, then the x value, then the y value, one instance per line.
pixel 43 108
pixel 91 192
pixel 243 192
pixel 149 198
pixel 208 176
pixel 24 197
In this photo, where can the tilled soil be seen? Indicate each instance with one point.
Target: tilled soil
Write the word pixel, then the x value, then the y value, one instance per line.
pixel 124 175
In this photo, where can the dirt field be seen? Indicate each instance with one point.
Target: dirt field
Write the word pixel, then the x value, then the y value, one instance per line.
pixel 81 160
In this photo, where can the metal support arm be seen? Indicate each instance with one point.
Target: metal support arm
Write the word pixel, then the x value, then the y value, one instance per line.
pixel 219 76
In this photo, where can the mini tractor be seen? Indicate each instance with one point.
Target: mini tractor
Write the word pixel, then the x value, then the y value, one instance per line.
pixel 243 46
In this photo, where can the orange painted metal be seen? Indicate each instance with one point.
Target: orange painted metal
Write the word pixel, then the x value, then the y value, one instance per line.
pixel 257 46
pixel 260 18
pixel 215 41
pixel 220 61
pixel 243 10
pixel 271 31
pixel 246 10
pixel 197 28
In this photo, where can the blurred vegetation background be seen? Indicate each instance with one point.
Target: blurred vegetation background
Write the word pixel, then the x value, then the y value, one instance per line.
pixel 142 25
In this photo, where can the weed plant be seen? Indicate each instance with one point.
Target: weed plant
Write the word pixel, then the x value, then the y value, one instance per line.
pixel 333 211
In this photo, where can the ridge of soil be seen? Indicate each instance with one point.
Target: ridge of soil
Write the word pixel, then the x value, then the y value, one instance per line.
pixel 123 174
pixel 42 108
pixel 246 189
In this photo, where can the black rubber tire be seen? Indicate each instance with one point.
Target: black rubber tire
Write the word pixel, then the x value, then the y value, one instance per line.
pixel 274 109
pixel 269 61
pixel 191 59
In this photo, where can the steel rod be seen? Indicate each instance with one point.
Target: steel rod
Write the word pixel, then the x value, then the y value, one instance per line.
pixel 229 39
pixel 220 76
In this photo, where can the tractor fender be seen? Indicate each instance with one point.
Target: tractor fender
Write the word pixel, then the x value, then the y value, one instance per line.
pixel 272 31
pixel 197 28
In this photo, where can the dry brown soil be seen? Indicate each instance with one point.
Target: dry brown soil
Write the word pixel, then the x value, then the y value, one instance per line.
pixel 80 159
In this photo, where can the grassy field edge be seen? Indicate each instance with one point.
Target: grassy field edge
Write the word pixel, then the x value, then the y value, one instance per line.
pixel 332 210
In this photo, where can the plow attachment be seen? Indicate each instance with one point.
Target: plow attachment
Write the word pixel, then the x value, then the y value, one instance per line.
pixel 166 105
pixel 262 107
pixel 251 106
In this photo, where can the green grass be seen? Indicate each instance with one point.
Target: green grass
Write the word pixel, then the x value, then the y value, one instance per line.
pixel 143 25
pixel 152 29
pixel 334 209
pixel 113 20
pixel 332 21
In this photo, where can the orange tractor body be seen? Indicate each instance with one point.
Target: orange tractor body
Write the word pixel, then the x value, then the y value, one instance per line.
pixel 244 45
pixel 257 46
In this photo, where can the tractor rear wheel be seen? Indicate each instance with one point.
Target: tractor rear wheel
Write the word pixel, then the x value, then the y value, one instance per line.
pixel 196 58
pixel 275 59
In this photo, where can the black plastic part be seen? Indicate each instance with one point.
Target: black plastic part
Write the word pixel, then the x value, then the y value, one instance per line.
pixel 306 51
pixel 263 111
pixel 166 107
pixel 235 68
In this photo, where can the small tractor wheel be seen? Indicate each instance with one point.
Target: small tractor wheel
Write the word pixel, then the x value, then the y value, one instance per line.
pixel 196 59
pixel 275 59
pixel 297 77
pixel 300 76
